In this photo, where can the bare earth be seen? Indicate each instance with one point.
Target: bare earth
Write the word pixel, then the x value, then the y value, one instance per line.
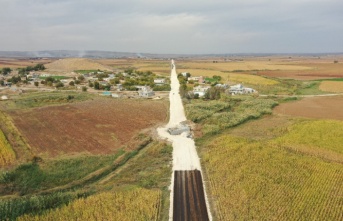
pixel 314 107
pixel 99 126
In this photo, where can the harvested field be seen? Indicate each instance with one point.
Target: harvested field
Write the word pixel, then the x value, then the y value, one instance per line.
pixel 157 66
pixel 331 86
pixel 189 199
pixel 232 77
pixel 314 107
pixel 246 65
pixel 317 70
pixel 71 64
pixel 20 63
pixel 99 126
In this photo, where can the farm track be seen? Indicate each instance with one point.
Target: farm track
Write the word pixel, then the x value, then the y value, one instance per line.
pixel 189 198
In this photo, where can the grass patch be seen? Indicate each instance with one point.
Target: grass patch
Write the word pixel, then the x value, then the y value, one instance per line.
pixel 85 71
pixel 32 177
pixel 39 99
pixel 55 77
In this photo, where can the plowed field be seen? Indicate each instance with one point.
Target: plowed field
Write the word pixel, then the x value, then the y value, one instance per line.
pixel 314 107
pixel 99 126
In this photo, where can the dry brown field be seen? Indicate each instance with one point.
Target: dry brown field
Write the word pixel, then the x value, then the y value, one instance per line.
pixel 71 64
pixel 329 107
pixel 318 69
pixel 331 86
pixel 300 68
pixel 99 126
pixel 157 66
pixel 20 63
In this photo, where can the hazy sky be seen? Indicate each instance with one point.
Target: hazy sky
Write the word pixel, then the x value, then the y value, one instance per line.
pixel 175 26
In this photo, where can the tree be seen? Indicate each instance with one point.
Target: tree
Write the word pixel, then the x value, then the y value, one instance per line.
pixel 84 88
pixel 6 71
pixel 39 67
pixel 96 85
pixel 90 84
pixel 213 93
pixel 81 78
pixel 2 82
pixel 59 84
pixel 71 83
pixel 36 83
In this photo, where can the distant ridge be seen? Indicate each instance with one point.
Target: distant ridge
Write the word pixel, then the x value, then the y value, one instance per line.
pixel 112 54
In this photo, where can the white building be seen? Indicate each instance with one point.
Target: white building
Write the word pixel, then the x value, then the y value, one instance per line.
pixel 201 90
pixel 240 89
pixel 159 81
pixel 4 97
pixel 145 91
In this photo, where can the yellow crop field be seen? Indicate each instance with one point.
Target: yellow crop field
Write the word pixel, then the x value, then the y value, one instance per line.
pixel 232 77
pixel 323 134
pixel 331 86
pixel 240 65
pixel 156 69
pixel 127 205
pixel 258 180
pixel 251 79
pixel 7 154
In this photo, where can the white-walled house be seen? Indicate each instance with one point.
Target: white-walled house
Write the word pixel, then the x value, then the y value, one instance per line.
pixel 160 81
pixel 145 91
pixel 201 90
pixel 240 89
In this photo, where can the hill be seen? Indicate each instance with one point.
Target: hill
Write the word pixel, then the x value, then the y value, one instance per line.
pixel 71 64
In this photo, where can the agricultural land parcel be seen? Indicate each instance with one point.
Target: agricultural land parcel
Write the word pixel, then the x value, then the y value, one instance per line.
pixel 78 167
pixel 277 168
pixel 98 126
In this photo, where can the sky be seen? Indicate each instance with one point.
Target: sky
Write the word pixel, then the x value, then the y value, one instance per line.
pixel 174 26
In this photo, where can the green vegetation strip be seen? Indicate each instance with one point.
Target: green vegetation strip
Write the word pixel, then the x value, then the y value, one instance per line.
pixel 215 116
pixel 39 99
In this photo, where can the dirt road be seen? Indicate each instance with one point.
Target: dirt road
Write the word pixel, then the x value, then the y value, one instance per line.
pixel 188 183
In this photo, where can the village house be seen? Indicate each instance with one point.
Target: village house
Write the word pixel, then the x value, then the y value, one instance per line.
pixel 160 81
pixel 145 91
pixel 199 79
pixel 223 86
pixel 201 90
pixel 240 89
pixel 184 74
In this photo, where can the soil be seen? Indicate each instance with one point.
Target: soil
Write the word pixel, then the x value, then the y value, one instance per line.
pixel 98 126
pixel 314 107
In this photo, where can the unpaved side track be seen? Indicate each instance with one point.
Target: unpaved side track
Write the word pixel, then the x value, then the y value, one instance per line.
pixel 189 199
